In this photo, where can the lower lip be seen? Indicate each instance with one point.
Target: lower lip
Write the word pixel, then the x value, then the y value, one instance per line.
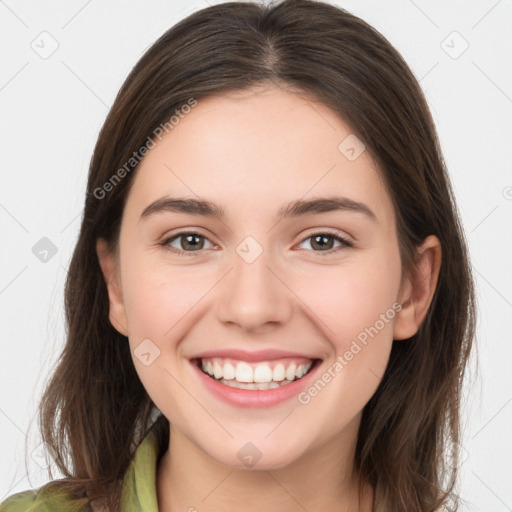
pixel 255 398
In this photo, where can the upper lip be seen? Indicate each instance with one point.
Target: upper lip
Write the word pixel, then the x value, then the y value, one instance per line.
pixel 257 355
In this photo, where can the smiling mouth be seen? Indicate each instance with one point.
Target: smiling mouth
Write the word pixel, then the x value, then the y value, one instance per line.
pixel 255 376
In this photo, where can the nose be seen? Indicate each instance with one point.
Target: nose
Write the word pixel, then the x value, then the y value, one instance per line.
pixel 254 295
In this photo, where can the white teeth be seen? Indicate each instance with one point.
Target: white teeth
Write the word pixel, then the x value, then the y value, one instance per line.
pixel 279 372
pixel 301 370
pixel 262 374
pixel 217 370
pixel 229 371
pixel 243 373
pixel 259 385
pixel 290 371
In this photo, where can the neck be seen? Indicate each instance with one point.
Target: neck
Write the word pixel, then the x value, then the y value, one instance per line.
pixel 190 480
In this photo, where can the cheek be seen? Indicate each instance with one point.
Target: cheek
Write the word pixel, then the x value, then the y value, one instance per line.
pixel 158 297
pixel 160 304
pixel 360 315
pixel 357 310
pixel 354 299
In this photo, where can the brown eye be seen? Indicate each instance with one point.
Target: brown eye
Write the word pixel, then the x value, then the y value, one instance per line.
pixel 187 242
pixel 323 242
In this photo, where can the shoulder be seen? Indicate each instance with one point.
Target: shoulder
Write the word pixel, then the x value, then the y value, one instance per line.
pixel 19 501
pixel 43 499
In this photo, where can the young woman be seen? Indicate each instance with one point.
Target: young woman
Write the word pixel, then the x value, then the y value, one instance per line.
pixel 270 304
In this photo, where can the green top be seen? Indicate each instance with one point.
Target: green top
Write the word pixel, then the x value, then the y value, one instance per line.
pixel 138 494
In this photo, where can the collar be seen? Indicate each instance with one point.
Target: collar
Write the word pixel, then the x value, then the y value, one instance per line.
pixel 139 483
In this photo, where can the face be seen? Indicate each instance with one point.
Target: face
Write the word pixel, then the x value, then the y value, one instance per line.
pixel 255 294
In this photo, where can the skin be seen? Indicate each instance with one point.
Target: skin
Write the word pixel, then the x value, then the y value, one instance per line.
pixel 253 152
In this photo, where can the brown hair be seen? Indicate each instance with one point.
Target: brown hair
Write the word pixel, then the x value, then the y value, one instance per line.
pixel 96 411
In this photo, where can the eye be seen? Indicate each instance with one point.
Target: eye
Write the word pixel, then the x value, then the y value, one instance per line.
pixel 321 240
pixel 193 242
pixel 190 241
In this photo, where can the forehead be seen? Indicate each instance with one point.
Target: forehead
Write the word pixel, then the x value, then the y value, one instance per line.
pixel 249 149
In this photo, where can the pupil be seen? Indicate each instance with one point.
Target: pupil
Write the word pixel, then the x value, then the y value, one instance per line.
pixel 187 241
pixel 323 239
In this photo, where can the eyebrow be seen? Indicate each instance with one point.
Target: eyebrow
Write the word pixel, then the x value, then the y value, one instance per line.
pixel 295 208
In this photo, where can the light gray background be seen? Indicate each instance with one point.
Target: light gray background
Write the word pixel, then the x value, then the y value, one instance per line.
pixel 51 112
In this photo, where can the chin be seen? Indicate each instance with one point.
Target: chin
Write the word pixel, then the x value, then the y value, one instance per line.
pixel 264 454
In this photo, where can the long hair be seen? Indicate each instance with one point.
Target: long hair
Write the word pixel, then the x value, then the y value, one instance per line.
pixel 94 411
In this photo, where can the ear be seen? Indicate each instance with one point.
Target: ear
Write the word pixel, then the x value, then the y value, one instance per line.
pixel 416 291
pixel 109 267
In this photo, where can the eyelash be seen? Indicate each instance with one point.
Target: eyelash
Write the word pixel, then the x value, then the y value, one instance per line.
pixel 344 241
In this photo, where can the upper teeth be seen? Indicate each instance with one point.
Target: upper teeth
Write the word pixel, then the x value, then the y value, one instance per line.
pixel 260 372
